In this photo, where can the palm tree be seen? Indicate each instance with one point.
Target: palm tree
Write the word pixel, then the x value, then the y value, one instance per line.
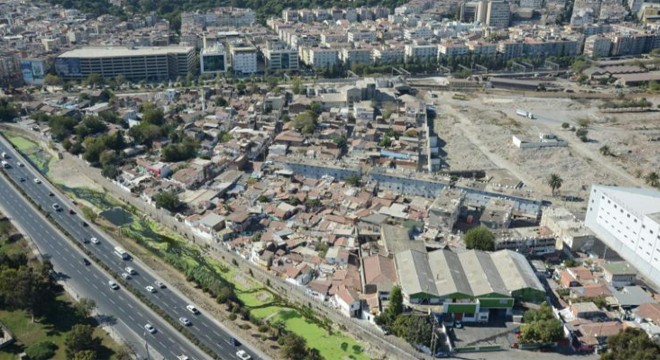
pixel 555 182
pixel 653 179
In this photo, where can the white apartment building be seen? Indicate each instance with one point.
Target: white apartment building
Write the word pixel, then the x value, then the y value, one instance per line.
pixel 243 58
pixel 322 57
pixel 388 55
pixel 597 46
pixel 359 35
pixel 279 57
pixel 356 56
pixel 498 14
pixel 421 53
pixel 452 49
pixel 481 48
pixel 417 33
pixel 628 221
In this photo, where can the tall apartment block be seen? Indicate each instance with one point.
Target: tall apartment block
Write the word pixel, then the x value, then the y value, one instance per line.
pixel 628 221
pixel 143 63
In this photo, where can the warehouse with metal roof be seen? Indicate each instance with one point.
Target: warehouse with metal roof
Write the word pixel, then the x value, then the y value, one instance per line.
pixel 473 285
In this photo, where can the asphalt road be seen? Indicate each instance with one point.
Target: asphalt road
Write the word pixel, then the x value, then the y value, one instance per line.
pixel 68 259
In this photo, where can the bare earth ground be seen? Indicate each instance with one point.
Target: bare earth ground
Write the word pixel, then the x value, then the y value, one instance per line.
pixel 478 135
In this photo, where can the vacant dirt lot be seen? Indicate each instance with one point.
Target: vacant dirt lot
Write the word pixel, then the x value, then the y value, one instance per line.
pixel 478 134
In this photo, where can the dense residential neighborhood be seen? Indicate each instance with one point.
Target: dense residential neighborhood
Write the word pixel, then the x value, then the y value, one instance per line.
pixel 401 176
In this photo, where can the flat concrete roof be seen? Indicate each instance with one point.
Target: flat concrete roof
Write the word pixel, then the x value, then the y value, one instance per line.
pixel 123 51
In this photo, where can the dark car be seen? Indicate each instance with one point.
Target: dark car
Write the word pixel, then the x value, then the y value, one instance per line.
pixel 85 262
pixel 85 240
pixel 84 224
pixel 71 212
pixel 22 179
pixel 234 342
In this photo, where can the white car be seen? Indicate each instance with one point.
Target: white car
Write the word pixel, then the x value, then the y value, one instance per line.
pixel 130 270
pixel 184 321
pixel 37 181
pixel 57 207
pixel 94 240
pixel 20 164
pixel 113 285
pixel 243 355
pixel 126 276
pixel 192 309
pixel 151 289
pixel 159 284
pixel 150 328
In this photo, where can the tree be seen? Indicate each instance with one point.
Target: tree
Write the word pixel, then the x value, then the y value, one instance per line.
pixel 145 133
pixel 153 116
pixel 565 125
pixel 53 80
pixel 168 200
pixel 305 122
pixel 179 152
pixel 85 355
pixel 294 347
pixel 296 86
pixel 555 182
pixel 652 179
pixel 340 141
pixel 605 150
pixel 94 79
pixel 84 307
pixel 279 326
pixel 583 122
pixel 541 326
pixel 631 344
pixel 42 350
pixel 480 238
pixel 110 171
pixel 582 134
pixel 79 339
pixel 394 308
pixel 353 180
pixel 8 111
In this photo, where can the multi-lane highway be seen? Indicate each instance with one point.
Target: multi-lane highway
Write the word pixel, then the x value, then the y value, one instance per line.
pixel 119 303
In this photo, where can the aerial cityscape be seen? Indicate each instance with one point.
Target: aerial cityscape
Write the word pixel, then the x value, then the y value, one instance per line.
pixel 306 180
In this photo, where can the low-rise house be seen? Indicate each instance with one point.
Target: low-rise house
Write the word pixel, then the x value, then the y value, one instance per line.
pixel 238 221
pixel 348 301
pixel 379 275
pixel 319 289
pixel 629 297
pixel 619 273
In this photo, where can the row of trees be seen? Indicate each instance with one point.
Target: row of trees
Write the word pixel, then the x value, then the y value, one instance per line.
pixel 8 110
pixel 541 326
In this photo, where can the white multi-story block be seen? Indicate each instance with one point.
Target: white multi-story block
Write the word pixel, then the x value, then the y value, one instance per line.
pixel 356 56
pixel 388 54
pixel 450 49
pixel 320 57
pixel 243 58
pixel 421 52
pixel 628 221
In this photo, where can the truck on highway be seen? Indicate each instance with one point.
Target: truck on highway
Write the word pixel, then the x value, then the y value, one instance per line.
pixel 121 253
pixel 5 164
pixel 524 113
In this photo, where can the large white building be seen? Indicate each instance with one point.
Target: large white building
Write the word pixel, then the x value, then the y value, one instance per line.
pixel 243 58
pixel 628 221
pixel 142 63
